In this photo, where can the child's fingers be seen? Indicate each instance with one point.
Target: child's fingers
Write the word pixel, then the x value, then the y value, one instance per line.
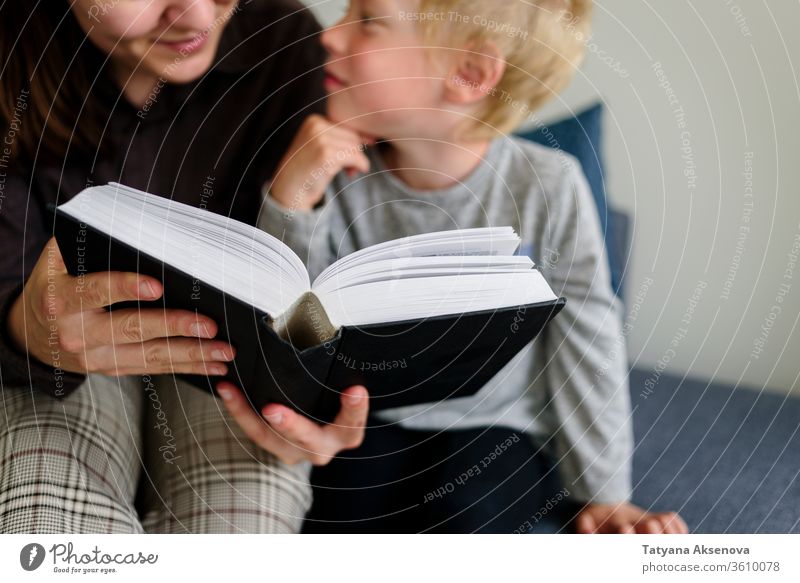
pixel 367 139
pixel 350 134
pixel 670 527
pixel 352 160
pixel 673 523
pixel 349 147
pixel 359 161
pixel 315 125
pixel 650 526
pixel 664 524
pixel 333 155
pixel 585 523
pixel 343 134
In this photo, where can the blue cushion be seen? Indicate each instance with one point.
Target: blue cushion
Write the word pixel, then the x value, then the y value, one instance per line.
pixel 581 136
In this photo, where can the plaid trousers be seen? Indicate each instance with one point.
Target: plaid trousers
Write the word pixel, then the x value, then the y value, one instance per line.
pixel 139 455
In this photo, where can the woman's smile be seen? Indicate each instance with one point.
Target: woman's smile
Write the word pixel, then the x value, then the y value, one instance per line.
pixel 185 46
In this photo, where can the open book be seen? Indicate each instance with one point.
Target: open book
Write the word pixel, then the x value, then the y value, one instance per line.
pixel 415 320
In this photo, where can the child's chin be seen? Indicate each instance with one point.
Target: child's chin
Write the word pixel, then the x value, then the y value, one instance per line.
pixel 337 113
pixel 350 120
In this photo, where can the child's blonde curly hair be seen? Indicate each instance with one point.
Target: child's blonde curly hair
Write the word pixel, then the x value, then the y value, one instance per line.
pixel 541 41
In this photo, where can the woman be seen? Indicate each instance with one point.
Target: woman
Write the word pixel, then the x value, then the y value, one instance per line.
pixel 191 99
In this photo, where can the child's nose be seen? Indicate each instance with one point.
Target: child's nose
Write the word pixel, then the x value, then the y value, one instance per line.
pixel 334 38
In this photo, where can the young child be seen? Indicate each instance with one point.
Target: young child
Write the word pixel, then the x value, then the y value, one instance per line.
pixel 434 87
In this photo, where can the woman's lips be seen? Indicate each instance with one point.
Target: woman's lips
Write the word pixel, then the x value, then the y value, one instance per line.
pixel 186 47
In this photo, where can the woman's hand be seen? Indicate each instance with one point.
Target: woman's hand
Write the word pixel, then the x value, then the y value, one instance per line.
pixel 294 438
pixel 60 318
pixel 627 518
pixel 318 152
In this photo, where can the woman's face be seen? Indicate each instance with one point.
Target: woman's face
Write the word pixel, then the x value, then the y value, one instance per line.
pixel 175 40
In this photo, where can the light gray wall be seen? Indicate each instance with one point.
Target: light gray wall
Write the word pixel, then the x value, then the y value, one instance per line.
pixel 678 168
pixel 327 11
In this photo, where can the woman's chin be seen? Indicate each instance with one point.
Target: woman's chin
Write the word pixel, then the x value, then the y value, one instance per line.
pixel 187 70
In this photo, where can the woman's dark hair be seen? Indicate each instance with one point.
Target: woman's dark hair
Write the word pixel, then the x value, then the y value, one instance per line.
pixel 47 68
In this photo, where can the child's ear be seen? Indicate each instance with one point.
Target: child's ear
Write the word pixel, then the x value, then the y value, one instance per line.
pixel 474 74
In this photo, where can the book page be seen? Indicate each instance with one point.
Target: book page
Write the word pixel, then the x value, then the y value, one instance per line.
pixel 488 241
pixel 425 266
pixel 401 299
pixel 234 257
pixel 434 274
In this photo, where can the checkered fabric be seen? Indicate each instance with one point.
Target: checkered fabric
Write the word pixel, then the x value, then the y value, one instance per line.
pixel 138 455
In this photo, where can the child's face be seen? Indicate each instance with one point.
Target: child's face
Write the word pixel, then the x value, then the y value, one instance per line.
pixel 381 79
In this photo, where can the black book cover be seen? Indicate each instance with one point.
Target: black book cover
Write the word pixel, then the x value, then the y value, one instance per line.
pixel 401 363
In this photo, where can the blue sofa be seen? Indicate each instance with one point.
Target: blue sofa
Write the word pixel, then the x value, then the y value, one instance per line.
pixel 727 459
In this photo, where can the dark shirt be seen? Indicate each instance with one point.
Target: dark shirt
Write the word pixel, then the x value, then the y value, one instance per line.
pixel 210 143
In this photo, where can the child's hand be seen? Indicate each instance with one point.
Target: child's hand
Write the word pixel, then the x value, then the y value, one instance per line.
pixel 318 152
pixel 626 518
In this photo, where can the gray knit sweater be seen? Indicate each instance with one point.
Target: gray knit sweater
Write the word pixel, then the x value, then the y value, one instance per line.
pixel 568 389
